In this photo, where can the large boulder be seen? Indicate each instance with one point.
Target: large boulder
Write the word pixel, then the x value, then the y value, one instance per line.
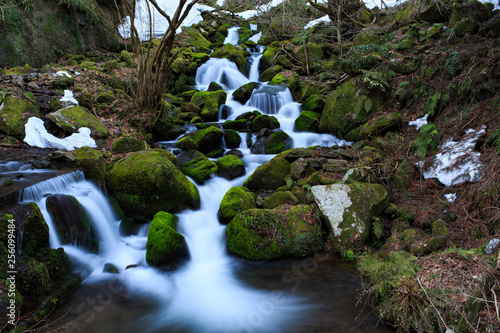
pixel 208 139
pixel 209 102
pixel 243 93
pixel 196 165
pixel 73 117
pixel 164 244
pixel 14 113
pixel 374 127
pixel 92 162
pixel 71 222
pixel 307 121
pixel 269 176
pixel 127 145
pixel 345 109
pixel 349 210
pixel 147 182
pixel 262 234
pixel 29 220
pixel 230 167
pixel 235 201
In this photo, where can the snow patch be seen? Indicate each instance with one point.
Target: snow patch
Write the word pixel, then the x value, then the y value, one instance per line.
pixel 63 73
pixel 255 38
pixel 457 161
pixel 492 245
pixel 68 97
pixel 311 24
pixel 37 136
pixel 419 122
pixel 451 197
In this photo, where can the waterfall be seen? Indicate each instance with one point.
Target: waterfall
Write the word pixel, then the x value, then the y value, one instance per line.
pixel 232 36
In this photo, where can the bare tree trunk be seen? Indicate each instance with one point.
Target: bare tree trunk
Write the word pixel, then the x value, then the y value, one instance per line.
pixel 155 62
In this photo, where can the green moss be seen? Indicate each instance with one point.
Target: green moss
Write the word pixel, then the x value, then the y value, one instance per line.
pixel 127 145
pixel 196 165
pixel 314 103
pixel 194 38
pixel 270 73
pixel 377 126
pixel 187 143
pixel 36 231
pixel 280 198
pixel 269 176
pixel 74 117
pixel 345 109
pixel 235 201
pixel 230 166
pixel 33 278
pixel 277 142
pixel 264 121
pixel 164 242
pixel 208 139
pixel 307 121
pixel 232 138
pixel 439 228
pixel 147 182
pixel 92 162
pixel 14 112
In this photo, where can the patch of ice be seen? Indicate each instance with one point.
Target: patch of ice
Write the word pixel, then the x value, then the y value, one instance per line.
pixel 37 136
pixel 419 122
pixel 311 24
pixel 63 73
pixel 68 97
pixel 491 245
pixel 451 197
pixel 457 162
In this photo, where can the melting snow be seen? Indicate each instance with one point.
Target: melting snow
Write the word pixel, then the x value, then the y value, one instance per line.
pixel 419 122
pixel 451 197
pixel 37 136
pixel 63 73
pixel 492 245
pixel 457 162
pixel 68 97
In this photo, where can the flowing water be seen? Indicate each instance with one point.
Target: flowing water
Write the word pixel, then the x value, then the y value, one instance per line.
pixel 213 291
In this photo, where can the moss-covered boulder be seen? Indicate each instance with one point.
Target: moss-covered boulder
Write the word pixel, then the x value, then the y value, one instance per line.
pixel 239 125
pixel 473 10
pixel 314 103
pixel 57 262
pixel 314 55
pixel 209 103
pixel 32 278
pixel 243 93
pixel 349 210
pixel 14 113
pixel 307 121
pixel 235 201
pixel 466 26
pixel 263 234
pixel 32 224
pixel 208 139
pixel 194 38
pixel 345 109
pixel 196 165
pixel 269 73
pixel 164 244
pixel 404 66
pixel 280 198
pixel 187 143
pixel 277 142
pixel 71 221
pixel 374 127
pixel 232 138
pixel 147 182
pixel 268 176
pixel 230 167
pixel 92 162
pixel 73 117
pixel 236 54
pixel 127 145
pixel 264 121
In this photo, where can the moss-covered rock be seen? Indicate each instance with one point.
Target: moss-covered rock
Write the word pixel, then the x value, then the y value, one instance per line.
pixel 280 198
pixel 263 234
pixel 33 278
pixel 127 145
pixel 57 262
pixel 230 167
pixel 349 210
pixel 239 125
pixel 73 117
pixel 194 38
pixel 264 121
pixel 268 56
pixel 105 98
pixel 439 228
pixel 307 121
pixel 277 142
pixel 147 182
pixel 243 93
pixel 466 26
pixel 208 139
pixel 374 127
pixel 164 244
pixel 268 74
pixel 92 162
pixel 35 230
pixel 209 103
pixel 314 55
pixel 314 103
pixel 235 201
pixel 187 143
pixel 473 11
pixel 196 165
pixel 345 109
pixel 232 138
pixel 404 66
pixel 268 176
pixel 236 54
pixel 70 221
pixel 14 113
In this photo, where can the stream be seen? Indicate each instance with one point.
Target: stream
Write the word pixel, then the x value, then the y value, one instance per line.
pixel 213 291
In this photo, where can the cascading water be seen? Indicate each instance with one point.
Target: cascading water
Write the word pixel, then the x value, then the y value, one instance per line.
pixel 204 294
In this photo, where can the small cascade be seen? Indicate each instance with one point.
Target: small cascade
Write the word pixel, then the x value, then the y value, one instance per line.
pixel 256 54
pixel 232 36
pixel 270 99
pixel 222 71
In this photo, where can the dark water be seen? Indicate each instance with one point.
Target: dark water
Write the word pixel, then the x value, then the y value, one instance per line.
pixel 327 287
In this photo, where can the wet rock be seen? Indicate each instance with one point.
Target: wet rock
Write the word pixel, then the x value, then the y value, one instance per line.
pixel 236 200
pixel 196 165
pixel 230 167
pixel 164 244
